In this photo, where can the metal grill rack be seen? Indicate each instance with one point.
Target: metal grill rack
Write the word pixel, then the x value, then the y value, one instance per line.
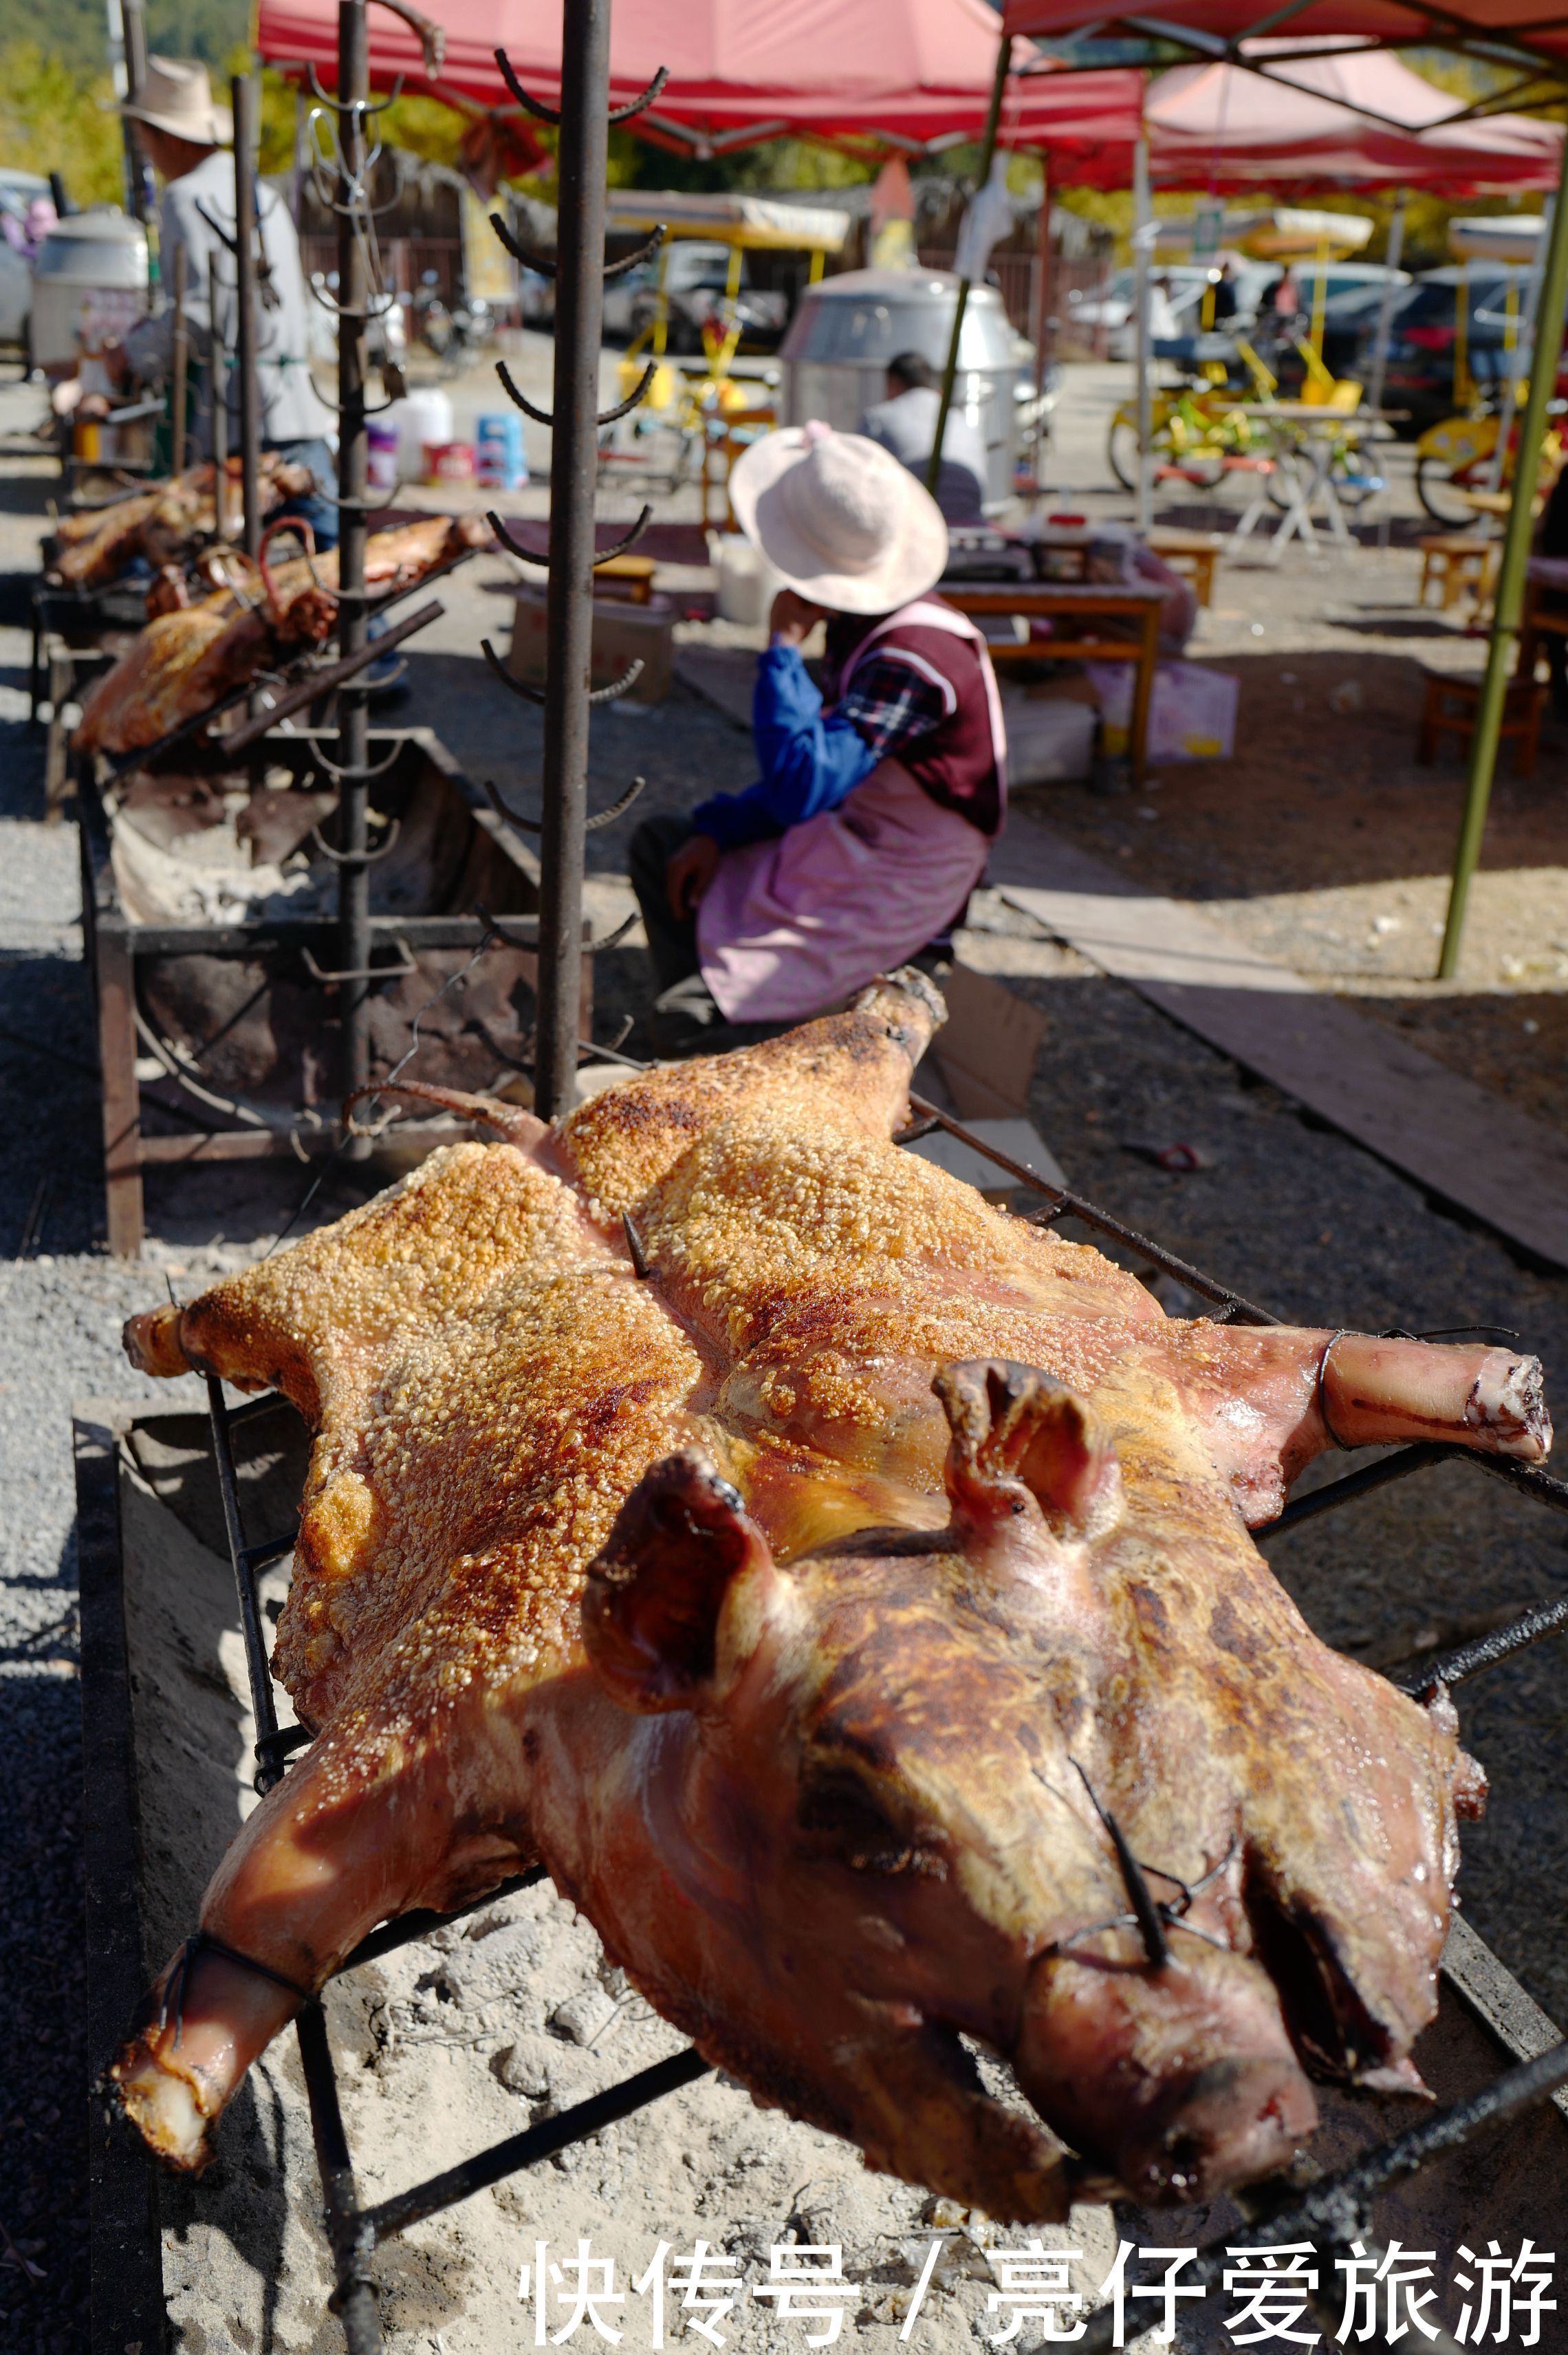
pixel 1329 2212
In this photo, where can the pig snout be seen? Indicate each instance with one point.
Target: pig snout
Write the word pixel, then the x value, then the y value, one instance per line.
pixel 1180 2081
pixel 1237 2120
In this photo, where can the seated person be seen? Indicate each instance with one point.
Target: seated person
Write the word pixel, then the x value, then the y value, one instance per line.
pixel 1117 557
pixel 905 423
pixel 877 806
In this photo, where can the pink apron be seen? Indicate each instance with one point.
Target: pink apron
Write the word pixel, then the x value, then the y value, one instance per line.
pixel 789 928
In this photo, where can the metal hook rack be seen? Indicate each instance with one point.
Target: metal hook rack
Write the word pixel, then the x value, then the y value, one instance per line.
pixel 583 116
pixel 1328 2211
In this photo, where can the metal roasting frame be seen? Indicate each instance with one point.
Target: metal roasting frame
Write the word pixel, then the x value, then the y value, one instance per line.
pixel 1330 2212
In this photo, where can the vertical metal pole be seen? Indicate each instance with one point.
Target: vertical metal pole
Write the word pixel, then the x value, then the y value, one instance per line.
pixel 1510 605
pixel 181 365
pixel 1143 224
pixel 218 380
pixel 1385 308
pixel 353 295
pixel 133 39
pixel 242 91
pixel 573 469
pixel 950 373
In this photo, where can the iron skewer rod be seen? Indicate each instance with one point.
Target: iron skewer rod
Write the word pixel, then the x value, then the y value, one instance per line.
pixel 353 294
pixel 574 474
pixel 218 380
pixel 242 89
pixel 181 365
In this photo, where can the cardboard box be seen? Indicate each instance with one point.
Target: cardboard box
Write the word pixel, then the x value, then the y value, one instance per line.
pixel 622 633
pixel 1050 738
pixel 1192 711
pixel 985 1049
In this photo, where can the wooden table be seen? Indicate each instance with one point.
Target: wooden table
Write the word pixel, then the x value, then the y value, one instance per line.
pixel 1191 552
pixel 1084 604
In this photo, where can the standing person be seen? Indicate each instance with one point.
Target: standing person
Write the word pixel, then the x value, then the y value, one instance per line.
pixel 1284 297
pixel 184 134
pixel 1224 295
pixel 878 800
pixel 904 422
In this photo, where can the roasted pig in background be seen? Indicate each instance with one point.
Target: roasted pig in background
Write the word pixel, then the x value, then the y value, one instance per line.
pixel 190 656
pixel 845 1588
pixel 167 522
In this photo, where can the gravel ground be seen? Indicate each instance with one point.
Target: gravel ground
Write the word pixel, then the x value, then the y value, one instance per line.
pixel 1322 829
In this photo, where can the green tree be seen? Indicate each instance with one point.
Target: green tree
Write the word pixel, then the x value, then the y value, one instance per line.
pixel 56 118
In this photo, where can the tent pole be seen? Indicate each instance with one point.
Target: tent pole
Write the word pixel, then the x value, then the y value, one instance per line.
pixel 1510 605
pixel 353 715
pixel 1385 308
pixel 1041 312
pixel 1141 225
pixel 950 373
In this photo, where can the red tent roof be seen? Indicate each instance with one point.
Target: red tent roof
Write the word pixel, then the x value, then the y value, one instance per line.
pixel 901 72
pixel 1343 116
pixel 1540 26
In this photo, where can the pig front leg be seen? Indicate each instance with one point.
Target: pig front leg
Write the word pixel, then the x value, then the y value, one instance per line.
pixel 349 1839
pixel 1270 1399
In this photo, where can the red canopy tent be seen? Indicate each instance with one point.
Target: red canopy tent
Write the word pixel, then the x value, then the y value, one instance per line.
pixel 1342 116
pixel 891 73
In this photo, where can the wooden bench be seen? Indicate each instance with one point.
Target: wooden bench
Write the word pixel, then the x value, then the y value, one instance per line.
pixel 1449 707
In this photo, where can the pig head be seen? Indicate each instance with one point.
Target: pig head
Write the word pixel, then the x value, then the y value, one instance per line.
pixel 927 1792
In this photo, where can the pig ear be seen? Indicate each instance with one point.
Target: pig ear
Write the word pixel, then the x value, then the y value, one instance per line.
pixel 1017 1434
pixel 650 1612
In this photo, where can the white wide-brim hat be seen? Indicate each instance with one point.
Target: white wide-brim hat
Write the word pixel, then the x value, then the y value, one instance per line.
pixel 840 517
pixel 176 97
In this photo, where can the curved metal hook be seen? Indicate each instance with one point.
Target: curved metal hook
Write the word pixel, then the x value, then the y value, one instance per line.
pixel 497 932
pixel 534 106
pixel 363 105
pixel 591 826
pixel 539 416
pixel 547 268
pixel 526 694
pixel 628 678
pixel 625 408
pixel 631 539
pixel 361 773
pixel 523 253
pixel 358 857
pixel 635 105
pixel 529 555
pixel 644 253
pixel 432 38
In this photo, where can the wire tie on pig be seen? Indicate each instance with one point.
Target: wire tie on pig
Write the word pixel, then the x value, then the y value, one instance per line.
pixel 1145 1913
pixel 1320 1395
pixel 203 1942
pixel 636 1246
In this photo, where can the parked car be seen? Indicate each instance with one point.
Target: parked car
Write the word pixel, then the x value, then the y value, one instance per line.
pixel 1424 339
pixel 697 279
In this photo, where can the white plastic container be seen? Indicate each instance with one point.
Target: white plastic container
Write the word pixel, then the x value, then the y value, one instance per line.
pixel 423 417
pixel 747 582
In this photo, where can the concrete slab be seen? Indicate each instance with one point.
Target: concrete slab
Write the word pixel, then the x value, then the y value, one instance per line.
pixel 1439 1128
pixel 1020 1138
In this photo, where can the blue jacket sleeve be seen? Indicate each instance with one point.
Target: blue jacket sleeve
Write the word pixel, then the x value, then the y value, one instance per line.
pixel 810 760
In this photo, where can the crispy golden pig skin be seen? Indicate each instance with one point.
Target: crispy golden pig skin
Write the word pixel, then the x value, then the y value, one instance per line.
pixel 924 1644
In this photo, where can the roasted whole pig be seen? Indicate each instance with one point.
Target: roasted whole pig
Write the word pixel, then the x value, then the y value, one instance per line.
pixel 189 658
pixel 845 1588
pixel 164 524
